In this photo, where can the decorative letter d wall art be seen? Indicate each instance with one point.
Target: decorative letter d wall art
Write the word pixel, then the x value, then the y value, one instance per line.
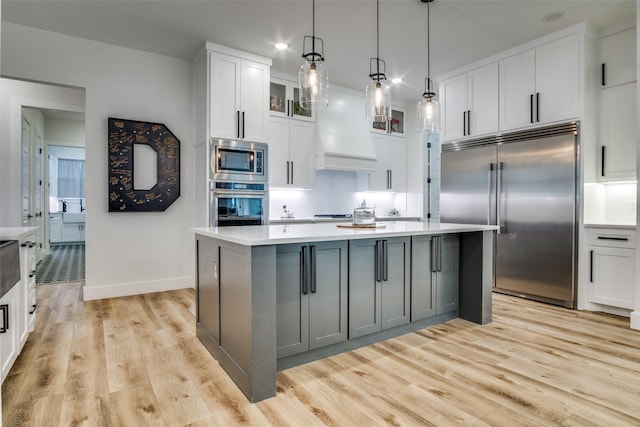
pixel 123 195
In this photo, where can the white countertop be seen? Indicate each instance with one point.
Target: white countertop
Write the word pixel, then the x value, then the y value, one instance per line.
pixel 612 225
pixel 15 233
pixel 309 220
pixel 258 235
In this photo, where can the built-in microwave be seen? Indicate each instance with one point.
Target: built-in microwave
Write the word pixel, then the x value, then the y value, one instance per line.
pixel 233 160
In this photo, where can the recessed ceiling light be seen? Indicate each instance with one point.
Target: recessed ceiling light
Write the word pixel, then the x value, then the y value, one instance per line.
pixel 553 16
pixel 396 80
pixel 281 46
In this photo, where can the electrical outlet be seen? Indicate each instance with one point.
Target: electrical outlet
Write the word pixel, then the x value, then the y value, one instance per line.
pixel 632 206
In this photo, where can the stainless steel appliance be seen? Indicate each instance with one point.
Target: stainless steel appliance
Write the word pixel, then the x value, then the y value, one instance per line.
pixel 525 183
pixel 233 160
pixel 239 203
pixel 239 193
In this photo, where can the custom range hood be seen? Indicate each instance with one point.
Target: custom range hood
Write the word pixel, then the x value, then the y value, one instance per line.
pixel 343 136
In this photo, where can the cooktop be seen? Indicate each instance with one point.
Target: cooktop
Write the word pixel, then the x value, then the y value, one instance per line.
pixel 333 215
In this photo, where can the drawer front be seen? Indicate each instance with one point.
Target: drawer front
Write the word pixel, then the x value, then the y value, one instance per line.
pixel 612 237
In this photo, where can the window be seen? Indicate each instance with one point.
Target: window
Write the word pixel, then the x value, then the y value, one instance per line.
pixel 70 178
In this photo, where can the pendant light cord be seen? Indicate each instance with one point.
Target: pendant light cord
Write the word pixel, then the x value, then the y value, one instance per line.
pixel 378 37
pixel 429 42
pixel 313 25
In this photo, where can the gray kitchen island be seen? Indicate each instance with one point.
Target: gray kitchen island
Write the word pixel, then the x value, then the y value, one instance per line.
pixel 271 297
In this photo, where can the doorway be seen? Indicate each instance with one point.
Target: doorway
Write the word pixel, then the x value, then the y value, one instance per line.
pixel 53 155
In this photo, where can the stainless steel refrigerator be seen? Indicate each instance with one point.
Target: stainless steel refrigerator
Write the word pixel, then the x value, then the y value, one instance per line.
pixel 526 184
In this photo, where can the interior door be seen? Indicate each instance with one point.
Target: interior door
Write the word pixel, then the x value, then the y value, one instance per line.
pixel 535 246
pixel 38 195
pixel 467 193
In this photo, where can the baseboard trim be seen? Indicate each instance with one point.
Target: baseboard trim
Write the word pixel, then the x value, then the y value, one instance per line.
pixel 635 320
pixel 136 288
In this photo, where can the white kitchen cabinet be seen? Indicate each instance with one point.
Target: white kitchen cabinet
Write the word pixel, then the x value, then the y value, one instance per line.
pixel 391 169
pixel 28 248
pixel 611 276
pixel 618 107
pixel 284 101
pixel 470 103
pixel 394 126
pixel 618 58
pixel 541 85
pixel 55 228
pixel 291 153
pixel 66 232
pixel 9 328
pixel 239 93
pixel 617 134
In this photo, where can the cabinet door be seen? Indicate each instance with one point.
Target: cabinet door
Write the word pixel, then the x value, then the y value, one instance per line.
pixel 292 314
pixel 395 286
pixel 224 95
pixel 557 80
pixel 22 312
pixel 611 277
pixel 454 105
pixel 423 290
pixel 517 84
pixel 379 180
pixel 617 133
pixel 483 100
pixel 618 54
pixel 55 229
pixel 328 304
pixel 254 107
pixel 208 301
pixel 279 172
pixel 364 289
pixel 397 158
pixel 9 338
pixel 302 153
pixel 447 276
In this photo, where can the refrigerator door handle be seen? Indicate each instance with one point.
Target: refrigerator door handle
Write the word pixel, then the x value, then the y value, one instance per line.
pixel 489 191
pixel 500 166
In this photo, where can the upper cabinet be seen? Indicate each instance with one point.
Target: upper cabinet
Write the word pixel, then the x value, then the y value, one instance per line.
pixel 541 85
pixel 617 117
pixel 618 58
pixel 231 94
pixel 470 103
pixel 395 126
pixel 284 101
pixel 291 153
pixel 391 171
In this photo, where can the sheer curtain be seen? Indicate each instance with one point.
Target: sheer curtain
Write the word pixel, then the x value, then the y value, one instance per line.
pixel 71 178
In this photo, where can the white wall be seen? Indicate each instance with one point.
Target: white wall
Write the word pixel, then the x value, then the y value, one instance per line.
pixel 63 132
pixel 126 253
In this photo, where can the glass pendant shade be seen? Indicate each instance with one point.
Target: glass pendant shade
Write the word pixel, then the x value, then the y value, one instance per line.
pixel 314 85
pixel 378 101
pixel 429 114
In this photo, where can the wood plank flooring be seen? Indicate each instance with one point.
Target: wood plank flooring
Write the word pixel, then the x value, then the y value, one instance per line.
pixel 135 361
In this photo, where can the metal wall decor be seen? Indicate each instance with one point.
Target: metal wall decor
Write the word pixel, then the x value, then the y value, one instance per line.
pixel 123 197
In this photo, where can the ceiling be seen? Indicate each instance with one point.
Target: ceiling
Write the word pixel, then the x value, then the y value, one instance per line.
pixel 462 31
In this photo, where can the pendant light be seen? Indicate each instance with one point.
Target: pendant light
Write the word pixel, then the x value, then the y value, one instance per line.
pixel 428 107
pixel 313 76
pixel 378 92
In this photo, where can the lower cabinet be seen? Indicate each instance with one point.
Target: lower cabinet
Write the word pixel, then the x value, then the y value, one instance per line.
pixel 10 312
pixel 434 275
pixel 611 275
pixel 379 284
pixel 311 296
pixel 208 292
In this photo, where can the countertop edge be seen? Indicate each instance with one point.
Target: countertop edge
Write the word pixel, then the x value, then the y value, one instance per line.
pixel 622 226
pixel 338 234
pixel 15 233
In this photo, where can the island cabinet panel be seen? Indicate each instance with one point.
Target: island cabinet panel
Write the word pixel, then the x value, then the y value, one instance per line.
pixel 379 279
pixel 208 295
pixel 434 275
pixel 311 296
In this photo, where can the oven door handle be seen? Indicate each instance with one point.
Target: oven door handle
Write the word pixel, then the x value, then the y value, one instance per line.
pixel 240 193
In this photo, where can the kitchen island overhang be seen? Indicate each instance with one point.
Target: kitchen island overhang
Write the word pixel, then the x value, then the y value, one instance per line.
pixel 239 303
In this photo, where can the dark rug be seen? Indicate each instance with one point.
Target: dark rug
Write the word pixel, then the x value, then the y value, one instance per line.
pixel 64 264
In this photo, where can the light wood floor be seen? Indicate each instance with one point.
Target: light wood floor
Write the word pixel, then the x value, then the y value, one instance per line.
pixel 135 361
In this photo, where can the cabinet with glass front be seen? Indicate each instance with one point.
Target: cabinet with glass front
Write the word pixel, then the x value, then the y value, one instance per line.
pixel 395 126
pixel 283 100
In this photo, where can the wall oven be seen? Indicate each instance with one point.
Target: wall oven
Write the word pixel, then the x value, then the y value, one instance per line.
pixel 238 161
pixel 239 193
